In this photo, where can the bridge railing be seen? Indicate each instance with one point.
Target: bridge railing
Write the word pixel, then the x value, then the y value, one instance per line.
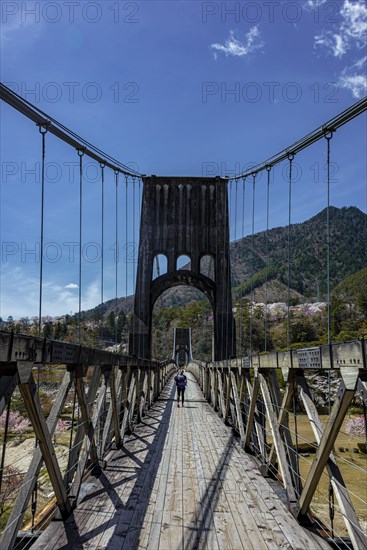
pixel 77 403
pixel 271 401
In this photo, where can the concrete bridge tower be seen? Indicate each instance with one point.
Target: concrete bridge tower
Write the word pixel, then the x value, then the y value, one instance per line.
pixel 184 216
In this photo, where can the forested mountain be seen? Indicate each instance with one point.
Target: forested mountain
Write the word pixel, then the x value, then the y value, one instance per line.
pixel 186 307
pixel 308 253
pixel 348 255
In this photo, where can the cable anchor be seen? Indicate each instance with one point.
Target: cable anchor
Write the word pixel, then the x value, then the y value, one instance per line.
pixel 328 133
pixel 43 127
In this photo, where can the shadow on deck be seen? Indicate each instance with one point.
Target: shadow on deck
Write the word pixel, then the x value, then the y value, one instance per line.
pixel 180 482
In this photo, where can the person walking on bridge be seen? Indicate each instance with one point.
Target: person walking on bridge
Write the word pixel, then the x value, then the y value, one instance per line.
pixel 181 382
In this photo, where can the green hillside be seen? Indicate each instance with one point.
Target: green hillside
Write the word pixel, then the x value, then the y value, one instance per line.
pixel 308 253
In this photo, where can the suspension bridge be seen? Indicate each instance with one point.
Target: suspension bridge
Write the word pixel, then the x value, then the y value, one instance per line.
pixel 249 461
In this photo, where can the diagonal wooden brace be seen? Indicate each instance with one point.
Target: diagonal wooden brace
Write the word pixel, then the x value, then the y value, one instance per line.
pixel 349 515
pixel 20 506
pixel 28 390
pixel 252 409
pixel 228 394
pixel 345 395
pixel 238 409
pixel 129 404
pixel 279 446
pixel 85 404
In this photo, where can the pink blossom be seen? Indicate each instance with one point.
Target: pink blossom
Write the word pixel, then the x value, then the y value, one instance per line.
pixel 17 424
pixel 60 426
pixel 356 426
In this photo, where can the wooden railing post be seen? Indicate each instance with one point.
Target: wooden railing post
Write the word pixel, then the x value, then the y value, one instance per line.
pixel 228 393
pixel 115 383
pixel 149 387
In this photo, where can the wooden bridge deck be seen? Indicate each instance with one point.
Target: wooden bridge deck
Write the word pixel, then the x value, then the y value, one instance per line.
pixel 181 481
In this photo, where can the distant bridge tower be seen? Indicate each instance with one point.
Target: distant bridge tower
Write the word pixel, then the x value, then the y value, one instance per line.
pixel 182 344
pixel 184 216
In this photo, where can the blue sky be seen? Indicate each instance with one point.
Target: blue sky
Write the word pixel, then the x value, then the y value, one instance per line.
pixel 174 88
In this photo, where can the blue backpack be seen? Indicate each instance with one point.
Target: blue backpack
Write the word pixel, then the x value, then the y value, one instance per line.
pixel 181 381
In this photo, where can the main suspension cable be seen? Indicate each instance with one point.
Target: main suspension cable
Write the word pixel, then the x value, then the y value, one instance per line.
pixel 331 126
pixel 62 132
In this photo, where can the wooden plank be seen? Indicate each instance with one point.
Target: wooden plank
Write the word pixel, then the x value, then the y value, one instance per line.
pixel 203 475
pixel 233 498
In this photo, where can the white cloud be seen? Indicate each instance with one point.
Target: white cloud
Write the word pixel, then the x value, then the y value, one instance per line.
pixel 71 285
pixel 314 4
pixel 354 24
pixel 334 42
pixel 234 47
pixel 351 80
pixel 349 32
pixel 348 35
pixel 357 84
